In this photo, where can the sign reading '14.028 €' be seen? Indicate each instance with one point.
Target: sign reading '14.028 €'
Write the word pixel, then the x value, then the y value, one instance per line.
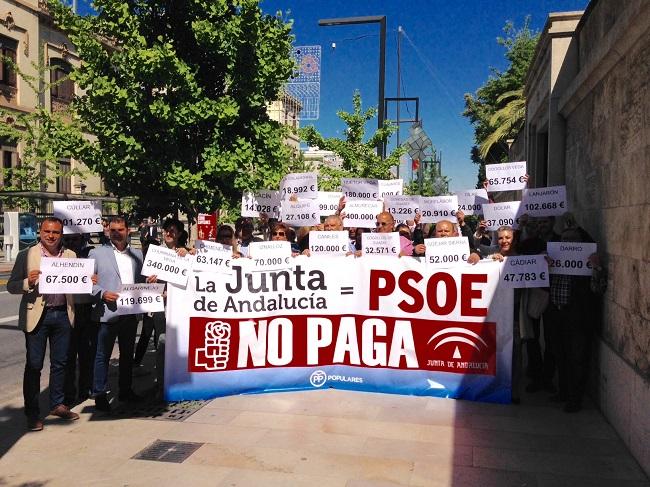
pixel 212 257
pixel 329 243
pixel 66 276
pixel 302 185
pixel 446 252
pixel 140 298
pixel 79 216
pixel 166 265
pixel 507 176
pixel 523 271
pixel 361 214
pixel 381 244
pixel 570 258
pixel 262 201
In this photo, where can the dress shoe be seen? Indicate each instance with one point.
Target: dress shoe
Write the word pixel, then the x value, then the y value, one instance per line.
pixel 34 424
pixel 130 396
pixel 63 412
pixel 102 404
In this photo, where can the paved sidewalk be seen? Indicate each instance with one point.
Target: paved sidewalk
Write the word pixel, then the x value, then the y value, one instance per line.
pixel 328 438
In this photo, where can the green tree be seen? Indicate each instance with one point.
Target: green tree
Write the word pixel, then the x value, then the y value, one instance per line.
pixel 360 159
pixel 176 93
pixel 497 110
pixel 44 137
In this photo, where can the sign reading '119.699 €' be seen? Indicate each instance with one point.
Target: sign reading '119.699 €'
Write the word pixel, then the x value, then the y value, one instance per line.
pixel 140 298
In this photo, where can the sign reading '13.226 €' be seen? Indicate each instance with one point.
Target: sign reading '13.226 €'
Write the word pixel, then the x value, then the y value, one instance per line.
pixel 79 216
pixel 66 276
pixel 166 265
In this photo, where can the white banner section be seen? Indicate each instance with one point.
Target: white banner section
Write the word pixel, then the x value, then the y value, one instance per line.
pixel 66 276
pixel 166 265
pixel 549 201
pixel 212 257
pixel 262 201
pixel 436 208
pixel 361 214
pixel 329 243
pixel 571 258
pixel 360 188
pixel 301 213
pixel 302 185
pixel 507 176
pixel 79 216
pixel 386 244
pixel 268 256
pixel 524 271
pixel 328 202
pixel 446 252
pixel 501 214
pixel 402 207
pixel 471 201
pixel 140 298
pixel 390 187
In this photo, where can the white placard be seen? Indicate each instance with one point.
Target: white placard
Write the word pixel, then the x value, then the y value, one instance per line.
pixel 499 214
pixel 446 252
pixel 328 202
pixel 361 214
pixel 329 243
pixel 390 187
pixel 360 188
pixel 549 201
pixel 140 298
pixel 262 201
pixel 301 184
pixel 270 256
pixel 301 213
pixel 524 271
pixel 381 244
pixel 66 276
pixel 571 258
pixel 402 207
pixel 166 265
pixel 471 201
pixel 507 176
pixel 436 208
pixel 79 216
pixel 212 257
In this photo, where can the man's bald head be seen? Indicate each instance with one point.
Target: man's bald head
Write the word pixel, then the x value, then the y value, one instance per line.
pixel 385 222
pixel 333 223
pixel 445 228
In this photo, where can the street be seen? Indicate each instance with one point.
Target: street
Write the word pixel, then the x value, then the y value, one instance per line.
pixel 12 345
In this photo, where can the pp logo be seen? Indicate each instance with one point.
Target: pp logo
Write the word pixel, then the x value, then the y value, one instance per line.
pixel 217 347
pixel 318 378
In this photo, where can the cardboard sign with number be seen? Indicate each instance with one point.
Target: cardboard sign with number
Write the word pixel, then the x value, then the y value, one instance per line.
pixel 166 265
pixel 329 243
pixel 212 257
pixel 262 201
pixel 524 271
pixel 501 214
pixel 446 252
pixel 436 208
pixel 361 214
pixel 140 298
pixel 328 202
pixel 402 207
pixel 571 258
pixel 66 276
pixel 79 216
pixel 471 201
pixel 270 256
pixel 360 188
pixel 549 201
pixel 381 244
pixel 507 176
pixel 301 213
pixel 303 185
pixel 390 187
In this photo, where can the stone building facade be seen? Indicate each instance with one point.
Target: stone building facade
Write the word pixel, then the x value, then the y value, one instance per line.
pixel 588 126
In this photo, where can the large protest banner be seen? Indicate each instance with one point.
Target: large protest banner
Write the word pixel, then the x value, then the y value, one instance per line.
pixel 382 324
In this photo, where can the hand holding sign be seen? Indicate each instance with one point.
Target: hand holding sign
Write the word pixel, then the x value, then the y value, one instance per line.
pixel 66 276
pixel 167 265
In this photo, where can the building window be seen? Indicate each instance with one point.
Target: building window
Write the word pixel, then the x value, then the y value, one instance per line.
pixel 8 49
pixel 63 180
pixel 9 161
pixel 62 87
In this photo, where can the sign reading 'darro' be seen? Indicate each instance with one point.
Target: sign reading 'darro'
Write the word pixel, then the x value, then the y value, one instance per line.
pixel 79 216
pixel 570 258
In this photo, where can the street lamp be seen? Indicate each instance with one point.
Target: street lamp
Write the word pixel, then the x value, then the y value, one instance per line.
pixel 370 19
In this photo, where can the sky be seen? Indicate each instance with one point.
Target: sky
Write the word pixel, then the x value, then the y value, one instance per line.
pixel 451 50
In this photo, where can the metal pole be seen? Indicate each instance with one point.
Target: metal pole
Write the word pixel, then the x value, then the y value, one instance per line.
pixel 399 35
pixel 382 79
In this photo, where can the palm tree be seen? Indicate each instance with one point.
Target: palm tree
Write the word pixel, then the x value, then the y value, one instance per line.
pixel 507 121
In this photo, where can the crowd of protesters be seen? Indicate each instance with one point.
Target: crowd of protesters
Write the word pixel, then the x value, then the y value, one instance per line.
pixel 554 325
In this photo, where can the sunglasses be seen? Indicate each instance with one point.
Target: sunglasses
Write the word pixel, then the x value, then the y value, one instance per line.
pixel 382 224
pixel 280 234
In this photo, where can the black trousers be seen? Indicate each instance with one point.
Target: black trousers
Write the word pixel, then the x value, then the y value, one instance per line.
pixel 81 355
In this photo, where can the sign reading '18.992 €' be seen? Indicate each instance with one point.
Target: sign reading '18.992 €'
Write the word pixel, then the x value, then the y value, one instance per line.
pixel 302 185
pixel 140 298
pixel 66 276
pixel 166 265
pixel 79 216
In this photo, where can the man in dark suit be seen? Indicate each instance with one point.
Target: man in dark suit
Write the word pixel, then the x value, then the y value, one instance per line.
pixel 116 263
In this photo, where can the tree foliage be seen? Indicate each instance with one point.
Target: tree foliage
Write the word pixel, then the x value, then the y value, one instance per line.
pixel 360 159
pixel 176 93
pixel 497 109
pixel 44 137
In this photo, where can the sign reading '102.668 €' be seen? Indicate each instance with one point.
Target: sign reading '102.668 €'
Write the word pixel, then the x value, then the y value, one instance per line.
pixel 66 276
pixel 166 265
pixel 140 298
pixel 79 216
pixel 541 202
